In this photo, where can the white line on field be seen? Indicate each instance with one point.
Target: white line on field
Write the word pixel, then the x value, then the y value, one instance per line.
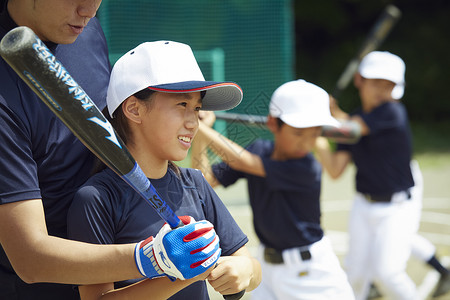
pixel 345 205
pixel 434 217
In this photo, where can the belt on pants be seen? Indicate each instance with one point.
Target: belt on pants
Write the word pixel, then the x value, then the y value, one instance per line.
pixel 384 198
pixel 275 256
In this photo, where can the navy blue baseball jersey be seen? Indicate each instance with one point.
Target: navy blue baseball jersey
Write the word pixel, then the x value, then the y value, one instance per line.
pixel 383 157
pixel 106 210
pixel 285 203
pixel 40 157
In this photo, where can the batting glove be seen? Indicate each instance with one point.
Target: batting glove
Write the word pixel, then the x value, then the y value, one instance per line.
pixel 182 253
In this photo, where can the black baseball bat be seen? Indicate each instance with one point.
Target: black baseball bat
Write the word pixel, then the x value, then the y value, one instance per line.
pixel 30 58
pixel 46 76
pixel 376 36
pixel 243 118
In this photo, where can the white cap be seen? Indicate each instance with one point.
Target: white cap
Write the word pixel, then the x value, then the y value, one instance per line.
pixel 301 104
pixel 166 66
pixel 385 65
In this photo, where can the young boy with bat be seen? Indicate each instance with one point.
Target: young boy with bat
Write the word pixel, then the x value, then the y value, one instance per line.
pixel 386 210
pixel 154 97
pixel 43 164
pixel 284 181
pixel 389 185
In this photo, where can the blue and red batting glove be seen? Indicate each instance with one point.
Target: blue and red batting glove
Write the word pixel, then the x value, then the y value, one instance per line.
pixel 182 253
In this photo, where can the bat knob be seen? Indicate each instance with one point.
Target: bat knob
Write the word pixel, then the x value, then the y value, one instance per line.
pixel 234 296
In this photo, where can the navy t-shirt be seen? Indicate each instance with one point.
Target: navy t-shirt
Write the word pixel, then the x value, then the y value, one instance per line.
pixel 107 211
pixel 285 203
pixel 383 157
pixel 40 157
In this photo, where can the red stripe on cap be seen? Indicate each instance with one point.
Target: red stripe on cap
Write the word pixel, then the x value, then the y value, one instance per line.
pixel 196 89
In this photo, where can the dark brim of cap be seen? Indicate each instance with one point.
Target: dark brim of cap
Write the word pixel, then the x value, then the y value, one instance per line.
pixel 219 95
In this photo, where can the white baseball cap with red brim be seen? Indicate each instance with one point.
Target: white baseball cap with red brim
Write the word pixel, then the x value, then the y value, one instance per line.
pixel 170 67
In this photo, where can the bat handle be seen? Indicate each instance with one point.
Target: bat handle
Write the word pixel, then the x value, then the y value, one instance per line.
pixel 234 296
pixel 180 224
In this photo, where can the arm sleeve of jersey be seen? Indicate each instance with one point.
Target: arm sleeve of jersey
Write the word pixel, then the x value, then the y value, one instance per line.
pixel 387 116
pixel 231 236
pixel 343 147
pixel 18 175
pixel 225 175
pixel 89 218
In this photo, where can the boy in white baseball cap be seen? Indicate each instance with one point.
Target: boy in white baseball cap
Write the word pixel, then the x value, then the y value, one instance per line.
pixel 386 212
pixel 387 66
pixel 283 180
pixel 378 248
pixel 154 97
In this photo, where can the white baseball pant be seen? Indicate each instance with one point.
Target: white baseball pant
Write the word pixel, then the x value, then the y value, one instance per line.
pixel 320 278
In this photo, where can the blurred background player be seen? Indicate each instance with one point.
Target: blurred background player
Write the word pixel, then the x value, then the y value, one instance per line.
pixel 284 181
pixel 386 211
pixel 154 97
pixel 421 248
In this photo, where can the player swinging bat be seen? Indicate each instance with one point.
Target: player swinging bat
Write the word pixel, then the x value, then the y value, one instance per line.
pixel 377 35
pixel 348 132
pixel 47 77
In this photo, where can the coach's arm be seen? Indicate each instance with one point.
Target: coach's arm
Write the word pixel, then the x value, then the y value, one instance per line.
pixel 37 256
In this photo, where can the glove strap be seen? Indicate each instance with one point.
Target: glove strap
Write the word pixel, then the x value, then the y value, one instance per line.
pixel 145 259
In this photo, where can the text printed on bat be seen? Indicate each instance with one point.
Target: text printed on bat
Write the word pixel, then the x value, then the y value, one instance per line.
pixel 60 72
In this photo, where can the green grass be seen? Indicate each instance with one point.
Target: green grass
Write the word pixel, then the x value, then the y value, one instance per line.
pixel 433 160
pixel 432 144
pixel 431 137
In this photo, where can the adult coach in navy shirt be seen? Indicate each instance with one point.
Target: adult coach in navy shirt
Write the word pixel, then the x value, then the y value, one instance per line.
pixel 42 163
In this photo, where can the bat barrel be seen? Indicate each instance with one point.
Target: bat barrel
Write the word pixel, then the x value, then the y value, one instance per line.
pixel 247 119
pixel 393 11
pixel 380 30
pixel 15 40
pixel 46 76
